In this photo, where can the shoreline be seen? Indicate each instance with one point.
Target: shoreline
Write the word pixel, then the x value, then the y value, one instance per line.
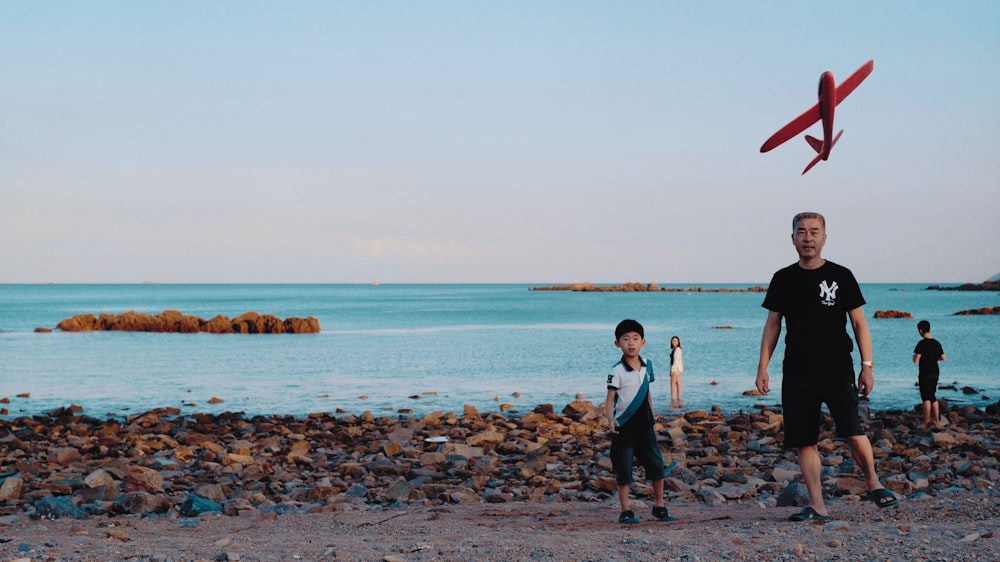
pixel 445 478
pixel 57 454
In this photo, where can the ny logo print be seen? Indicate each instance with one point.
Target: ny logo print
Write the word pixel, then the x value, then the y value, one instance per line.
pixel 828 293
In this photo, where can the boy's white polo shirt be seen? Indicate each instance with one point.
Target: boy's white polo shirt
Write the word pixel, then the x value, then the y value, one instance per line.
pixel 627 382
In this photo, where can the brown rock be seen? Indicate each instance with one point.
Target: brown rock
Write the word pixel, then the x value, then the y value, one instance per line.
pixel 99 477
pixel 392 449
pixel 533 465
pixel 11 488
pixel 63 455
pixel 143 502
pixel 849 485
pixel 142 479
pixel 485 439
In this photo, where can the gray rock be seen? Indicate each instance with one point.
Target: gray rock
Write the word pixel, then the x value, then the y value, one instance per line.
pixel 57 507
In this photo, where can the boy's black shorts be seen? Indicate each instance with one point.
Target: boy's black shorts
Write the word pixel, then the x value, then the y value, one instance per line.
pixel 640 444
pixel 803 393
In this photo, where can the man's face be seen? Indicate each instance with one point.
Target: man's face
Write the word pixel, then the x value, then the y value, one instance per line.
pixel 809 238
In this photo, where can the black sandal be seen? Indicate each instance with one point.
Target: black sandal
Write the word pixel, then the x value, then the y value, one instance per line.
pixel 882 498
pixel 808 514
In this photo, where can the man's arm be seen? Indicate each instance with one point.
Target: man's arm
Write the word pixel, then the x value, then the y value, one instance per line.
pixel 768 341
pixel 866 379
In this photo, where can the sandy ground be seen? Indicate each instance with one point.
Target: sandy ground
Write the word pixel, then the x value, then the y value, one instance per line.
pixel 958 526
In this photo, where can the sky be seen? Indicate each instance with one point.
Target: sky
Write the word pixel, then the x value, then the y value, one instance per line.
pixel 491 142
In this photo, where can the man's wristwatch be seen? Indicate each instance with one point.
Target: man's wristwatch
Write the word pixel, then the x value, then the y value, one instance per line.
pixel 869 364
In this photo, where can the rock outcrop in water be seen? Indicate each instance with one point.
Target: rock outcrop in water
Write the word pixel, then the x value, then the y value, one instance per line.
pixel 634 287
pixel 892 314
pixel 989 285
pixel 172 321
pixel 978 311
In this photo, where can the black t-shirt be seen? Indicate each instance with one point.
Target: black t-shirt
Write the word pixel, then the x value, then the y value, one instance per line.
pixel 815 305
pixel 930 352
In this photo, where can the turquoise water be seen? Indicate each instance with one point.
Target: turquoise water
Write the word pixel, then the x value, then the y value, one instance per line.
pixel 439 347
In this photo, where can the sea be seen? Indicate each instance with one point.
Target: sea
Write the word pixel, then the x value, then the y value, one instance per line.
pixel 411 349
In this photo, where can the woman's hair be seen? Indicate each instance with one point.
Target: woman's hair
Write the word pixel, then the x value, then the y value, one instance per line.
pixel 675 338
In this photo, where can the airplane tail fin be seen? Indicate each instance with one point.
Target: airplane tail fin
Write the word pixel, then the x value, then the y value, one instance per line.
pixel 836 138
pixel 818 147
pixel 813 163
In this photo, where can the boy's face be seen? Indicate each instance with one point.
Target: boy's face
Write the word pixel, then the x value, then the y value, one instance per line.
pixel 630 343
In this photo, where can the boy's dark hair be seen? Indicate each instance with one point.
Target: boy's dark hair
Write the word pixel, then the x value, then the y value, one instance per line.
pixel 924 326
pixel 626 326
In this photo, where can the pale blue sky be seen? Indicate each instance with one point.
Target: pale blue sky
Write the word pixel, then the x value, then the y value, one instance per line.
pixel 537 142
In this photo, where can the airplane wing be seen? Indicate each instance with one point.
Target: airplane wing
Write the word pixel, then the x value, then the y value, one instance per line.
pixel 853 81
pixel 799 124
pixel 811 115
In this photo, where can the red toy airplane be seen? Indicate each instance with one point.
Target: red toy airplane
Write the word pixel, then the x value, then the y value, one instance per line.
pixel 829 97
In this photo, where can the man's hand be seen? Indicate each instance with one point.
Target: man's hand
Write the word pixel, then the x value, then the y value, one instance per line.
pixel 866 381
pixel 763 381
pixel 612 424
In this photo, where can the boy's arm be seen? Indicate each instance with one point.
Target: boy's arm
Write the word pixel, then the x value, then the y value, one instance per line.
pixel 609 410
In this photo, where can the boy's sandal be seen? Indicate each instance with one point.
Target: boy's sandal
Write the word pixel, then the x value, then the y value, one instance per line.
pixel 808 514
pixel 661 514
pixel 628 518
pixel 882 498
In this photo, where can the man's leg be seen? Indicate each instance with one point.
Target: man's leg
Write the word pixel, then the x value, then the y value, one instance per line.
pixel 861 448
pixel 811 466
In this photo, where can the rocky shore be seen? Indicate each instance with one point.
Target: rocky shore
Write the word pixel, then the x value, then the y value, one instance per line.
pixel 167 464
pixel 454 479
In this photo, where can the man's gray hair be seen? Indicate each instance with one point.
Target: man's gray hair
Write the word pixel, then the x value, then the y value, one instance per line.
pixel 807 215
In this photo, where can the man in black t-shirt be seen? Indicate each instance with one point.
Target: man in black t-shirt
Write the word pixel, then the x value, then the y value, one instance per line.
pixel 816 298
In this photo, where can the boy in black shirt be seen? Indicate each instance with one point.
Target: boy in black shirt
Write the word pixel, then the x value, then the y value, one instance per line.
pixel 926 355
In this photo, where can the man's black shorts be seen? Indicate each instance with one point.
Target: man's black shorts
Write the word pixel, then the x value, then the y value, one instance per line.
pixel 803 393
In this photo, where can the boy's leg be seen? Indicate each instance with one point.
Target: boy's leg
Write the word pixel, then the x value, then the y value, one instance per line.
pixel 936 415
pixel 627 516
pixel 623 496
pixel 658 493
pixel 927 413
